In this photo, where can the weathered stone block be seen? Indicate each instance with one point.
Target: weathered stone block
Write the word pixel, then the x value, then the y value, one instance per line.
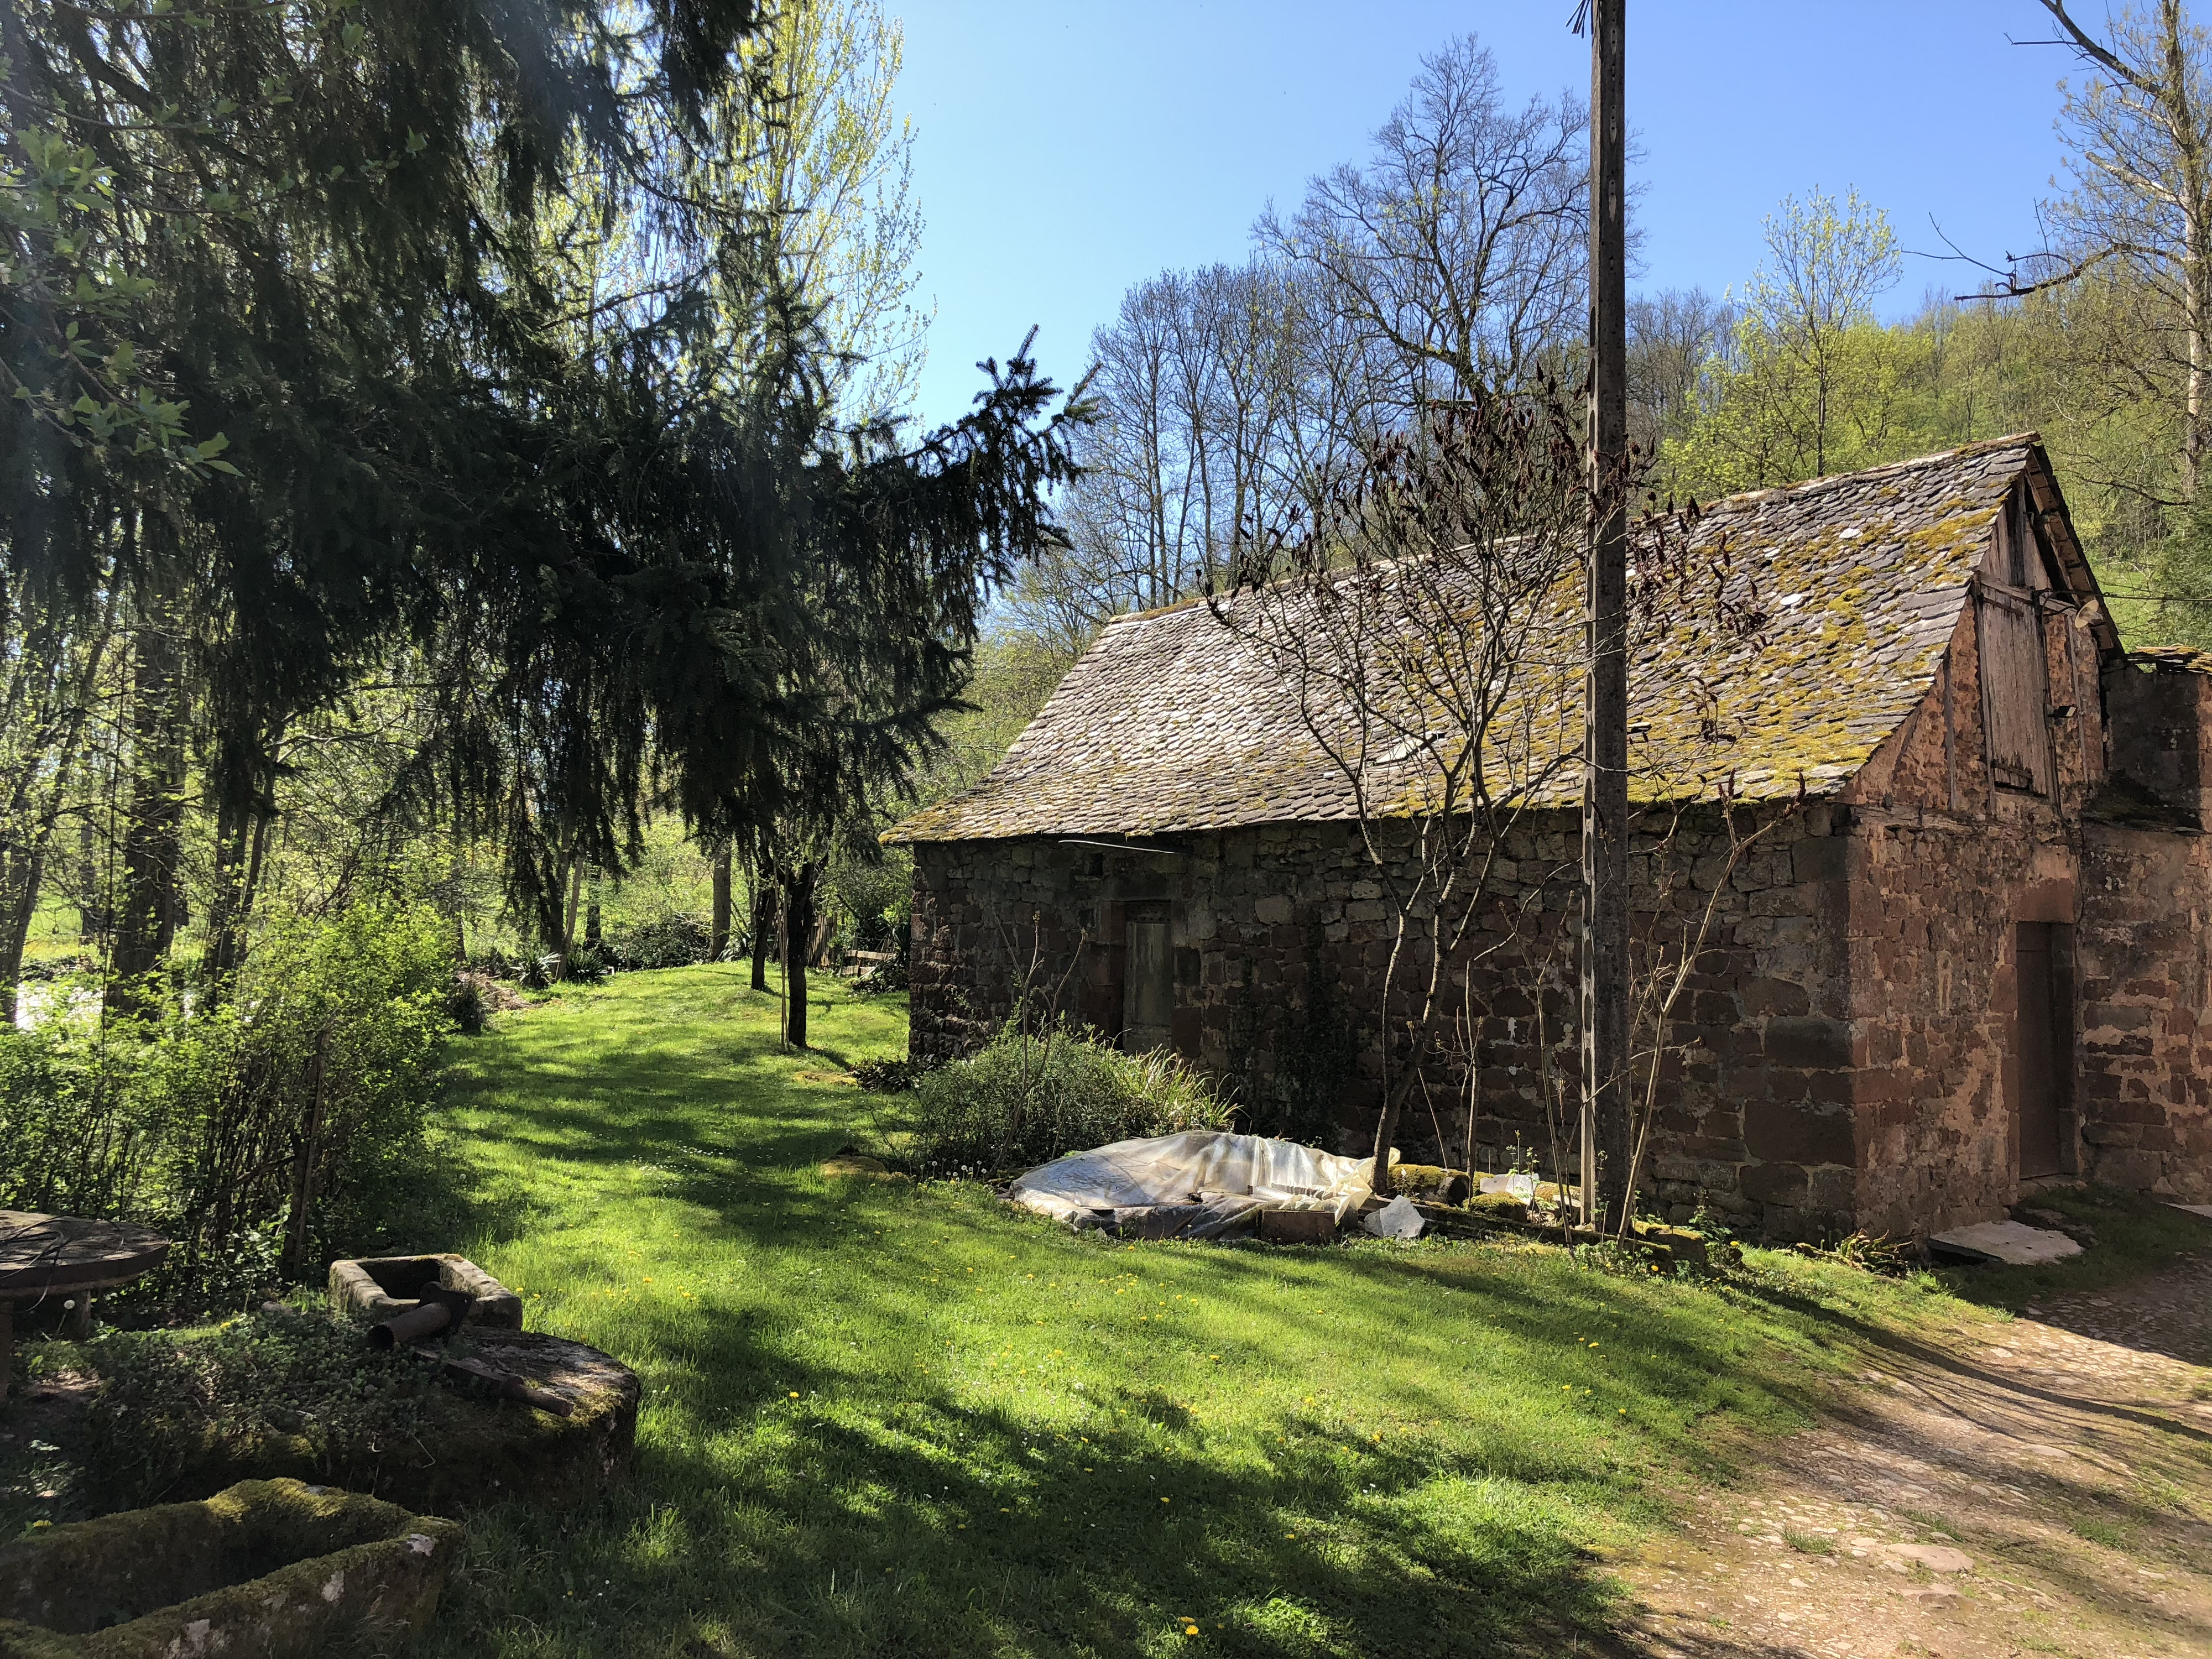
pixel 1762 995
pixel 2119 1167
pixel 1779 1132
pixel 1808 1041
pixel 1832 1191
pixel 1772 1183
pixel 379 1287
pixel 1820 860
pixel 272 1569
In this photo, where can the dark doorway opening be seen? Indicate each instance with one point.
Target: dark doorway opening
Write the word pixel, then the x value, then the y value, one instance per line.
pixel 2043 972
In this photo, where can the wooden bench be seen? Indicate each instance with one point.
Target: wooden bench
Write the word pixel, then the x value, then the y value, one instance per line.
pixel 864 964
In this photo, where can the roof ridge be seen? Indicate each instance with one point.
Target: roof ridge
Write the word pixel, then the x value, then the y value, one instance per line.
pixel 1746 499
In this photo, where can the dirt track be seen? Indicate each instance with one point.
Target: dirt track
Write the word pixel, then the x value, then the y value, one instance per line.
pixel 2042 1488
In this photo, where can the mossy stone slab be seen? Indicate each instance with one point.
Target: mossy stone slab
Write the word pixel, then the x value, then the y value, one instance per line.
pixel 473 1449
pixel 273 1569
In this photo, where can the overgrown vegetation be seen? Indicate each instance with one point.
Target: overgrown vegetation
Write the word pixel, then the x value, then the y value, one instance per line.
pixel 1042 1089
pixel 261 1135
pixel 274 1389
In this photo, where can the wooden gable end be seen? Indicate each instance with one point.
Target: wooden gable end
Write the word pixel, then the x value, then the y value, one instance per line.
pixel 2021 591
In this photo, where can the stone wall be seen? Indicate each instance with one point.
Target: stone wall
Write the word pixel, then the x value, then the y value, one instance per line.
pixel 1943 866
pixel 2145 972
pixel 1271 924
pixel 2143 953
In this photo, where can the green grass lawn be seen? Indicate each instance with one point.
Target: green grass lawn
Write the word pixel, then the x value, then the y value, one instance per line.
pixel 888 1419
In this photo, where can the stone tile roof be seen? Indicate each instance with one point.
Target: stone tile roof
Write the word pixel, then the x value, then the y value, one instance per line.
pixel 1173 722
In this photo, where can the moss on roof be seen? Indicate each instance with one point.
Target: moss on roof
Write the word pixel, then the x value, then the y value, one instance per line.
pixel 1172 722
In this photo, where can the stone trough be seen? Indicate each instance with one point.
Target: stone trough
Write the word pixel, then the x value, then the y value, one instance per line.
pixel 378 1286
pixel 270 1569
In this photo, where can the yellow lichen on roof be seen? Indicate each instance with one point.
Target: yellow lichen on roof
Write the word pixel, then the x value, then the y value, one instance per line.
pixel 1172 721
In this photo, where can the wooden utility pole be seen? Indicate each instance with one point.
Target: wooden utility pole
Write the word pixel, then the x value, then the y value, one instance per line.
pixel 1605 985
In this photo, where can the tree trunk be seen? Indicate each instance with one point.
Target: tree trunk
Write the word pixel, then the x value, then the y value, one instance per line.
pixel 150 910
pixel 718 942
pixel 798 933
pixel 303 1169
pixel 454 871
pixel 568 915
pixel 91 911
pixel 762 914
pixel 592 910
pixel 233 838
pixel 25 871
pixel 30 864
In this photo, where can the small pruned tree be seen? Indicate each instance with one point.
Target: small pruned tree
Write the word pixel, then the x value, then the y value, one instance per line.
pixel 1426 634
pixel 1427 641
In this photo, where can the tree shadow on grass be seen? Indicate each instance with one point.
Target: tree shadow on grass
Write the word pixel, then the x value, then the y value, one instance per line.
pixel 873 1514
pixel 829 1526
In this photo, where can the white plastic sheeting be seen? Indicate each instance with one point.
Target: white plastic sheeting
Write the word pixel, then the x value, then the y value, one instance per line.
pixel 1396 1219
pixel 1198 1184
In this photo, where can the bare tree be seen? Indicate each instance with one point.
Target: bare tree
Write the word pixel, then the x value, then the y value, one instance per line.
pixel 2140 131
pixel 1458 251
pixel 1197 387
pixel 1426 634
pixel 1672 336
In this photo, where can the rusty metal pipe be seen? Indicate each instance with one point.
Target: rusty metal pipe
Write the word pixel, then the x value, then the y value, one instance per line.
pixel 424 1320
pixel 439 1308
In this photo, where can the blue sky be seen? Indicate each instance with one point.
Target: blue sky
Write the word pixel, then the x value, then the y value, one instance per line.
pixel 1065 151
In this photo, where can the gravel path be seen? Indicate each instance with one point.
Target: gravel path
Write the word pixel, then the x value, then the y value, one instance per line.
pixel 2040 1488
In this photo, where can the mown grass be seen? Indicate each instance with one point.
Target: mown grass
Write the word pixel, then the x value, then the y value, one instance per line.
pixel 888 1419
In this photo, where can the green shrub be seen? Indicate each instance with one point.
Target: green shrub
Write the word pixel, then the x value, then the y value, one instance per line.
pixel 74 1139
pixel 1033 1096
pixel 305 1096
pixel 670 941
pixel 287 1119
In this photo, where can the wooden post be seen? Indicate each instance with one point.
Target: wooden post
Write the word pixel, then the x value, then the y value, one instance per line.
pixel 1605 977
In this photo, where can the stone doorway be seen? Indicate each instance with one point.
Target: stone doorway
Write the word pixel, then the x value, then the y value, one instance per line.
pixel 2042 971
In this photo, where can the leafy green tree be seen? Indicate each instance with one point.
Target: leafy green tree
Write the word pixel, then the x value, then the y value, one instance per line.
pixel 1811 383
pixel 500 315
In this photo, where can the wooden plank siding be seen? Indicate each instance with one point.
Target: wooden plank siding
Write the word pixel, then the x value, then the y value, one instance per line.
pixel 2014 699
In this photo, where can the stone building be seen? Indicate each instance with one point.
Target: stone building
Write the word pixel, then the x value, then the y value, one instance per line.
pixel 1967 950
